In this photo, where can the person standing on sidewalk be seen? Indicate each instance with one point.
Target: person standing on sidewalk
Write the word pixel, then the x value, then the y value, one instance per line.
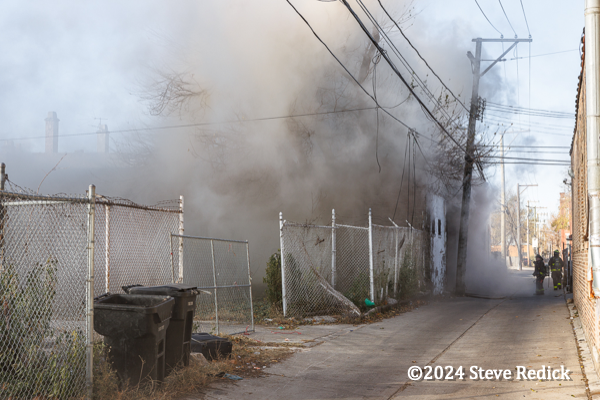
pixel 540 273
pixel 556 266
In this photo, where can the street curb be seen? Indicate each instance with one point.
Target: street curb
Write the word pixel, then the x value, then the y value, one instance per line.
pixel 586 359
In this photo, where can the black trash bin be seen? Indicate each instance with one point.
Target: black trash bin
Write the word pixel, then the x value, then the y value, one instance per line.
pixel 134 327
pixel 179 333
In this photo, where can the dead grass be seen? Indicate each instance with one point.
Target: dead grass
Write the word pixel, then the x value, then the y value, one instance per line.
pixel 276 318
pixel 249 359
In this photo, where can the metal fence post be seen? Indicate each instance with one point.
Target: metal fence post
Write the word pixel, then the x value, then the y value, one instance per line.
pixel 2 182
pixel 250 287
pixel 172 263
pixel 283 295
pixel 396 234
pixel 333 249
pixel 180 279
pixel 89 372
pixel 371 277
pixel 212 251
pixel 107 247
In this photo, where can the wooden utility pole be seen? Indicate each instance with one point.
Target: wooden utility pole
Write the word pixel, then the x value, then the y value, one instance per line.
pixel 461 263
pixel 502 206
pixel 519 224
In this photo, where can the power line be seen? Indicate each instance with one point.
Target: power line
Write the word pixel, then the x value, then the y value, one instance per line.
pixel 421 57
pixel 385 57
pixel 526 159
pixel 402 180
pixel 200 124
pixel 524 15
pixel 530 112
pixel 526 163
pixel 395 69
pixel 545 54
pixel 531 147
pixel 403 60
pixel 488 20
pixel 519 108
pixel 511 27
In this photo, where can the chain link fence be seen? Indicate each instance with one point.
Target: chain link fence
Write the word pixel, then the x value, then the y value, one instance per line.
pixel 221 270
pixel 49 247
pixel 43 273
pixel 329 270
pixel 132 244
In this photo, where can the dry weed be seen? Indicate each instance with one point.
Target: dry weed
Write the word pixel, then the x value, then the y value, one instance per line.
pixel 249 359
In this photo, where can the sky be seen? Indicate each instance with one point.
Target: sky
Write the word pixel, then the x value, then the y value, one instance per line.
pixel 551 84
pixel 95 61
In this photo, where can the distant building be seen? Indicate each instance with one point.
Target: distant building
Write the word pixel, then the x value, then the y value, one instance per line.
pixel 52 133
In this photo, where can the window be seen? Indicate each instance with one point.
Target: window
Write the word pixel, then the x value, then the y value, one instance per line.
pixel 439 227
pixel 433 227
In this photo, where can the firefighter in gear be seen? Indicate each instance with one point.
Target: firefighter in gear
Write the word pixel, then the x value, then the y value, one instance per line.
pixel 539 273
pixel 556 266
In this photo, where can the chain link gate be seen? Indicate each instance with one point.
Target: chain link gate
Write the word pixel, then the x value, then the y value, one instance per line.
pixel 221 270
pixel 329 270
pixel 132 243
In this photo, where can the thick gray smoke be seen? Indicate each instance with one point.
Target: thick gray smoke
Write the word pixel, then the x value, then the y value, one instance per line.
pixel 238 63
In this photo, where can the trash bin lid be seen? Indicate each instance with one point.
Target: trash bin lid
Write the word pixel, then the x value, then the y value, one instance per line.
pixel 171 289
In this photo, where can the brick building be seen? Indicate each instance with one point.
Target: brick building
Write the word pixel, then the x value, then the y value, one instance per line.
pixel 582 272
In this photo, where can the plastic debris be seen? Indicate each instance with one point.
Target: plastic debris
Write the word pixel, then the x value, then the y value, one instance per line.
pixel 233 377
pixel 369 303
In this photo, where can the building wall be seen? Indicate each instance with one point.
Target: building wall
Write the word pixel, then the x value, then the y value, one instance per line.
pixel 582 274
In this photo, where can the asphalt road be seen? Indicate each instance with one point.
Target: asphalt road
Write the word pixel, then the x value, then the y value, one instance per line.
pixel 372 361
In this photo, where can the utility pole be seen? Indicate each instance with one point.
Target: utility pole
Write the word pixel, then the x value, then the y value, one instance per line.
pixel 519 224
pixel 528 255
pixel 461 263
pixel 502 206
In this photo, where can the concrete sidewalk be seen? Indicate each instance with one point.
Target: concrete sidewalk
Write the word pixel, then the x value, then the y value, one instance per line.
pixel 372 361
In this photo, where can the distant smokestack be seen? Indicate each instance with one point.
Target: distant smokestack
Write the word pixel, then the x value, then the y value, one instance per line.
pixel 52 133
pixel 103 136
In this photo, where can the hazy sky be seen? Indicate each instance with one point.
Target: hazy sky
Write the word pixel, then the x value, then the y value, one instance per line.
pixel 88 60
pixel 555 26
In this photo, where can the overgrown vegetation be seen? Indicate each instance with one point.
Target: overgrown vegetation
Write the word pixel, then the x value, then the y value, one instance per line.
pixel 249 359
pixel 408 277
pixel 273 280
pixel 359 291
pixel 27 368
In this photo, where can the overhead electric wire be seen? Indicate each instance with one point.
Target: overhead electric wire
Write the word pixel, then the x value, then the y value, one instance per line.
pixel 237 121
pixel 531 147
pixel 358 83
pixel 511 27
pixel 402 179
pixel 543 55
pixel 377 113
pixel 532 111
pixel 525 159
pixel 500 118
pixel 526 163
pixel 403 60
pixel 420 56
pixel 524 15
pixel 395 69
pixel 488 20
